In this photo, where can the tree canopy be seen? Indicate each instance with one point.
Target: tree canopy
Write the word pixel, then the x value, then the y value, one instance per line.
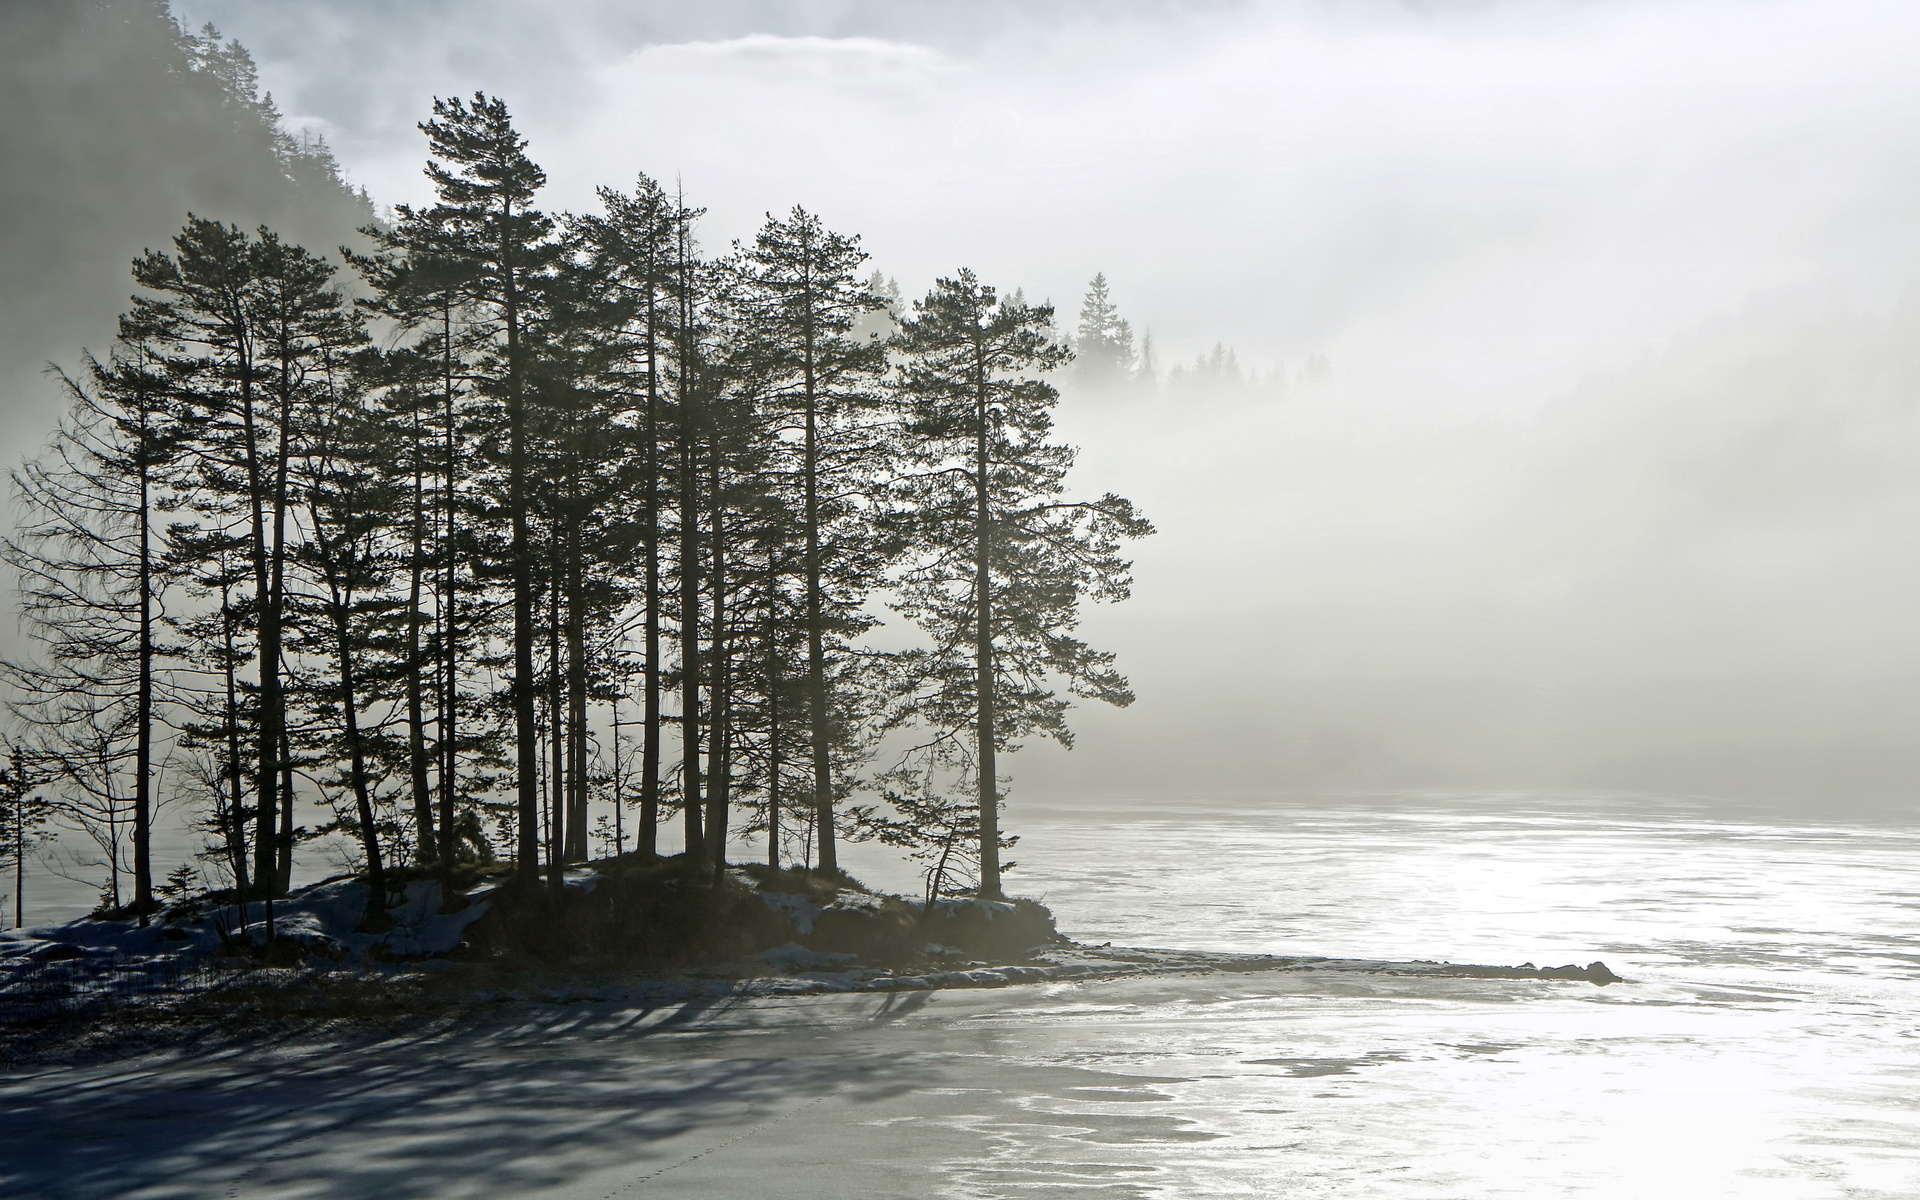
pixel 400 569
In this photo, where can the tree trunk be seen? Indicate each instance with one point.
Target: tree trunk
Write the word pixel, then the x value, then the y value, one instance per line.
pixel 283 847
pixel 416 658
pixel 556 731
pixel 817 710
pixel 525 694
pixel 237 843
pixel 356 751
pixel 267 734
pixel 690 800
pixel 619 775
pixel 449 730
pixel 720 688
pixel 984 689
pixel 773 745
pixel 648 838
pixel 578 848
pixel 143 698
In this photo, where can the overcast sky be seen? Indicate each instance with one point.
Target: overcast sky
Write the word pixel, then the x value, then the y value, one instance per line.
pixel 1611 479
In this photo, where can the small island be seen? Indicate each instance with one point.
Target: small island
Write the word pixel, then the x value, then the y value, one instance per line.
pixel 617 929
pixel 506 549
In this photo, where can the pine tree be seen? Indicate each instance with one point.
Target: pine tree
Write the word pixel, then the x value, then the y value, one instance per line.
pixel 423 389
pixel 633 251
pixel 245 330
pixel 592 458
pixel 1001 563
pixel 217 713
pixel 801 300
pixel 24 814
pixel 88 559
pixel 486 227
pixel 352 508
pixel 1103 352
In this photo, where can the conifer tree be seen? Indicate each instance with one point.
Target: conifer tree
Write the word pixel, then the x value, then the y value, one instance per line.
pixel 801 300
pixel 423 388
pixel 24 814
pixel 1000 561
pixel 352 509
pixel 246 331
pixel 633 251
pixel 485 225
pixel 692 431
pixel 217 712
pixel 89 564
pixel 1103 351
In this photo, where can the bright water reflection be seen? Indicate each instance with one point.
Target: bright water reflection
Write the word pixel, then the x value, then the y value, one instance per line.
pixel 1766 1046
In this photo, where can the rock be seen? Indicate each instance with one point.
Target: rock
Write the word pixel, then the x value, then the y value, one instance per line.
pixel 872 928
pixel 995 930
pixel 1593 972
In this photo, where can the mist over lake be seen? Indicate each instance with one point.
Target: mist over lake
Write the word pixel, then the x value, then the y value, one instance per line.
pixel 1399 485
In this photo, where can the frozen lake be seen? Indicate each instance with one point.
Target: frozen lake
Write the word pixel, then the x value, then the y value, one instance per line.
pixel 1764 1046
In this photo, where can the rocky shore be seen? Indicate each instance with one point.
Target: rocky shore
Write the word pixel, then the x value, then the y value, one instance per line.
pixel 621 929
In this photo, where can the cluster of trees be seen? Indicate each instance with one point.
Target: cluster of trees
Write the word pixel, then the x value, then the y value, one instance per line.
pixel 1104 349
pixel 1108 358
pixel 521 518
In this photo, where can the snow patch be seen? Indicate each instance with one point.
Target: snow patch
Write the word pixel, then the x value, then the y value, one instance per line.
pixel 797 909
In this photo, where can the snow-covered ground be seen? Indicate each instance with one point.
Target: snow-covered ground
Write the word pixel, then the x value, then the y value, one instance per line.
pixel 1112 1089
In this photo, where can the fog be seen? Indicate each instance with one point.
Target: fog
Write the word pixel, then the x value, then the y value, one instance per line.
pixel 1608 481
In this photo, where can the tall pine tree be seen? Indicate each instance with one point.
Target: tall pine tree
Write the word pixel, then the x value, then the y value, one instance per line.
pixel 1001 562
pixel 801 299
pixel 486 228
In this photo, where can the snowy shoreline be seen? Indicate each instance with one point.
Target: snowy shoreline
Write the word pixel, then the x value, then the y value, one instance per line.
pixel 86 983
pixel 326 924
pixel 90 1014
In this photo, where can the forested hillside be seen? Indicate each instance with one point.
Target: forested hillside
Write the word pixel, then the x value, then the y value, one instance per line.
pixel 119 122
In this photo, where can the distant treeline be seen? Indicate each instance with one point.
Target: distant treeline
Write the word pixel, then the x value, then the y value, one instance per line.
pixel 526 534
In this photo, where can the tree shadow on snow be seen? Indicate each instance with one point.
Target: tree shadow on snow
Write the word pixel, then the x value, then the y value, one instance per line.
pixel 500 1108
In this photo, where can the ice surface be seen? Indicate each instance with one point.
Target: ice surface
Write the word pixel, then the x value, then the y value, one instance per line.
pixel 1763 1050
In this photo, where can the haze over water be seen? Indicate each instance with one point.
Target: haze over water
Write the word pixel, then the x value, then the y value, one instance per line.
pixel 1605 474
pixel 1563 610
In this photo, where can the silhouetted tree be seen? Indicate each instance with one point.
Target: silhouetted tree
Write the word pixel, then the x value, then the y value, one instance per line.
pixel 246 331
pixel 24 813
pixel 1001 562
pixel 486 227
pixel 633 251
pixel 801 299
pixel 88 559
